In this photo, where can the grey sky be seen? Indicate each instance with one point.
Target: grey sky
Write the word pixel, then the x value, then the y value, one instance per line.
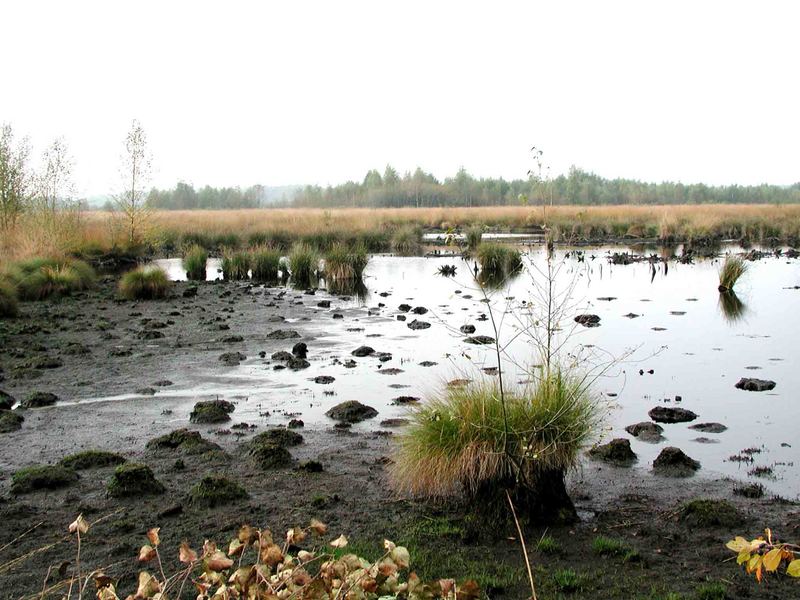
pixel 236 93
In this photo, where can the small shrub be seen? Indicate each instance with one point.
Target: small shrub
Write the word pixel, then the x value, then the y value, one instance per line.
pixel 344 262
pixel 215 490
pixel 9 306
pixel 89 459
pixel 265 263
pixel 732 269
pixel 145 283
pixel 567 580
pixel 303 263
pixel 194 262
pixel 236 266
pixel 498 260
pixel 42 477
pixel 406 242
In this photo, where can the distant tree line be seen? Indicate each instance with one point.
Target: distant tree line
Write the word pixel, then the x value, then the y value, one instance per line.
pixel 421 189
pixel 185 197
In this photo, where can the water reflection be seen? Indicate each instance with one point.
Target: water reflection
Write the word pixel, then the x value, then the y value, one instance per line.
pixel 731 307
pixel 348 287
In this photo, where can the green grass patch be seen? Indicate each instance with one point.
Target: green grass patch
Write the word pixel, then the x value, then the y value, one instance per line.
pixel 548 545
pixel 704 512
pixel 567 580
pixel 711 591
pixel 473 237
pixel 303 264
pixel 498 261
pixel 345 262
pixel 194 262
pixel 41 278
pixel 145 283
pixel 265 263
pixel 605 546
pixel 236 265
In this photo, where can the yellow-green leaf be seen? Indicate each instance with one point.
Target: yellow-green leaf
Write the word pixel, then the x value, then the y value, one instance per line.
pixel 794 568
pixel 754 563
pixel 772 559
pixel 738 545
pixel 743 557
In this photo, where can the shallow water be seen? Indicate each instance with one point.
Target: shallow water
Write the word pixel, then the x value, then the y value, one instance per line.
pixel 683 334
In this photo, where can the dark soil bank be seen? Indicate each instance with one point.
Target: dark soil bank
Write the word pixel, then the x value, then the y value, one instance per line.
pixel 93 347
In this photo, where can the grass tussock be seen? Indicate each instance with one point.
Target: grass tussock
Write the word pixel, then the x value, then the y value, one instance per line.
pixel 732 270
pixel 194 262
pixel 473 237
pixel 265 263
pixel 303 263
pixel 145 283
pixel 406 242
pixel 41 278
pixel 9 306
pixel 498 260
pixel 455 442
pixel 343 262
pixel 236 265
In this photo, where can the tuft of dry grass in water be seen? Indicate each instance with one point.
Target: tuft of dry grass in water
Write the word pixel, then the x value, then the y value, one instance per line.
pixel 455 442
pixel 732 269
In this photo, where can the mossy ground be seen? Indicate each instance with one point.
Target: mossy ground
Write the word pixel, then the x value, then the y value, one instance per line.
pixel 133 479
pixel 90 459
pixel 42 477
pixel 216 490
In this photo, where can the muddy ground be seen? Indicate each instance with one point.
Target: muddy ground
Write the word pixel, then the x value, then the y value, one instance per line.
pixel 93 347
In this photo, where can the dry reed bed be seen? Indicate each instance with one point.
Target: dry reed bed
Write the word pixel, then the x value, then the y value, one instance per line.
pixel 95 230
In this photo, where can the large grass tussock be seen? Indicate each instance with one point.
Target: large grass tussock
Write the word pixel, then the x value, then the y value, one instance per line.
pixel 40 278
pixel 265 263
pixel 303 263
pixel 732 270
pixel 343 262
pixel 456 441
pixel 9 307
pixel 145 283
pixel 194 262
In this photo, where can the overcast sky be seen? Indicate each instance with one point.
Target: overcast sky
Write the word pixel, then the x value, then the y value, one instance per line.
pixel 236 93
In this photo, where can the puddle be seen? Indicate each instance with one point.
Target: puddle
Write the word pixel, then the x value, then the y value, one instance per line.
pixel 696 345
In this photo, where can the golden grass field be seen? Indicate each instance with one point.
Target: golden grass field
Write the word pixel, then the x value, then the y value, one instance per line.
pixel 754 222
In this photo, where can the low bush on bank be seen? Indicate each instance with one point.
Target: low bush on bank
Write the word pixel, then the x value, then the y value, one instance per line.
pixel 145 283
pixel 236 265
pixel 41 278
pixel 473 440
pixel 265 263
pixel 194 263
pixel 303 263
pixel 343 262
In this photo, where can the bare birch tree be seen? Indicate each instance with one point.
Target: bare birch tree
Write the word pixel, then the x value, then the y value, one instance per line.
pixel 15 179
pixel 135 172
